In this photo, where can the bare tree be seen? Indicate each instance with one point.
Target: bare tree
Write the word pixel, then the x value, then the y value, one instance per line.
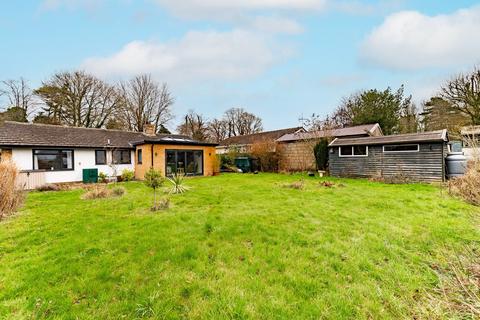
pixel 241 122
pixel 463 93
pixel 217 130
pixel 19 95
pixel 194 125
pixel 145 101
pixel 78 99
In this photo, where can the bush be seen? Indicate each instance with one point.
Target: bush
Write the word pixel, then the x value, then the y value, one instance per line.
pixel 163 204
pixel 102 177
pixel 264 152
pixel 321 154
pixel 49 187
pixel 10 197
pixel 118 191
pixel 467 187
pixel 178 184
pixel 128 175
pixel 97 193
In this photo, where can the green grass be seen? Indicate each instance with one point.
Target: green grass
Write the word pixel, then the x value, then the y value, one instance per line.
pixel 234 246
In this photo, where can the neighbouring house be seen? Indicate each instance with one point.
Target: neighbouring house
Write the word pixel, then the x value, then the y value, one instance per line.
pixel 295 150
pixel 416 156
pixel 471 141
pixel 242 144
pixel 59 154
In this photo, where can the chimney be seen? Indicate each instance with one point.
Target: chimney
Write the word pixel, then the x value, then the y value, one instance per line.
pixel 149 129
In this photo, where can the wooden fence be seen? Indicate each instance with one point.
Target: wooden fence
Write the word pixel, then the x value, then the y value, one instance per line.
pixel 29 180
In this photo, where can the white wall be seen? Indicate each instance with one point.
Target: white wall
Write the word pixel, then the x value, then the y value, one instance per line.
pixel 83 159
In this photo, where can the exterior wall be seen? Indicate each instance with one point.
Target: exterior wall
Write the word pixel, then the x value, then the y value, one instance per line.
pixel 82 159
pixel 296 156
pixel 209 160
pixel 426 165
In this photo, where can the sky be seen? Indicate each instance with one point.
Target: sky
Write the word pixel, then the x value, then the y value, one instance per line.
pixel 280 59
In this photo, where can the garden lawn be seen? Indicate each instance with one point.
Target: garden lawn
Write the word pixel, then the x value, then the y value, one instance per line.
pixel 233 246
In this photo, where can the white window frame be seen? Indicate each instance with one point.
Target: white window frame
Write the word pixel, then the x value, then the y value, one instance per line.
pixel 353 155
pixel 402 151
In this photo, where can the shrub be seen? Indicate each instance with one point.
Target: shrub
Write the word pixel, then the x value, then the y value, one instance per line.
pixel 154 180
pixel 163 204
pixel 128 175
pixel 467 187
pixel 118 191
pixel 10 197
pixel 178 183
pixel 49 187
pixel 102 177
pixel 321 154
pixel 264 152
pixel 97 193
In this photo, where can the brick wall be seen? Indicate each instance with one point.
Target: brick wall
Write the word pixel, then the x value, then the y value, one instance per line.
pixel 296 156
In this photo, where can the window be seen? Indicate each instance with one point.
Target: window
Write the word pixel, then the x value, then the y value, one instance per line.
pixel 401 148
pixel 353 151
pixel 52 159
pixel 121 156
pixel 100 157
pixel 188 162
pixel 139 156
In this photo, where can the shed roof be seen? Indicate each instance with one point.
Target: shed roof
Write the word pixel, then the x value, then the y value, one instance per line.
pixel 44 135
pixel 365 129
pixel 258 137
pixel 431 136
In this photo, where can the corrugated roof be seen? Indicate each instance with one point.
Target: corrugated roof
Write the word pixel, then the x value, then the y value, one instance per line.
pixel 340 132
pixel 258 137
pixel 43 135
pixel 431 136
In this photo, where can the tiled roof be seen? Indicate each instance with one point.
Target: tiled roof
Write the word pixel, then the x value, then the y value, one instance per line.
pixel 365 129
pixel 431 136
pixel 258 137
pixel 43 135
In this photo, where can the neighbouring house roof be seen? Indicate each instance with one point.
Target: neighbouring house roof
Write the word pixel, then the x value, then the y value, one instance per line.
pixel 259 137
pixel 366 129
pixel 44 135
pixel 431 136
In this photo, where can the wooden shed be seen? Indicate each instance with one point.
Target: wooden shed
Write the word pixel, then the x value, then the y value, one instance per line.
pixel 417 156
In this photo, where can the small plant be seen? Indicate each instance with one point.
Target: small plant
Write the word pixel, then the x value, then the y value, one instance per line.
pixel 118 191
pixel 102 177
pixel 97 193
pixel 49 187
pixel 178 183
pixel 128 175
pixel 298 185
pixel 154 180
pixel 162 204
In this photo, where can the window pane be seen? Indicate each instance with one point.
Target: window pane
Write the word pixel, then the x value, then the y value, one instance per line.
pixel 401 147
pixel 121 156
pixel 190 163
pixel 171 163
pixel 53 160
pixel 346 150
pixel 181 162
pixel 198 156
pixel 360 150
pixel 100 157
pixel 139 157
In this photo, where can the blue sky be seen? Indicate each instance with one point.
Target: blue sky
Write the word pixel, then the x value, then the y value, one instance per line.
pixel 277 58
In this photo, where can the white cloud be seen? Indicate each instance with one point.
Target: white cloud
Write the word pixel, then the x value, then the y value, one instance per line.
pixel 411 40
pixel 226 9
pixel 206 55
pixel 275 24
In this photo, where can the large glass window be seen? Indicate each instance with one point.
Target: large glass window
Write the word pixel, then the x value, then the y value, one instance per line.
pixel 121 156
pixel 139 156
pixel 100 157
pixel 353 151
pixel 188 162
pixel 52 159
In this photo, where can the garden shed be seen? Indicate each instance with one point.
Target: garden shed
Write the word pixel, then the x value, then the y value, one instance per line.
pixel 416 156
